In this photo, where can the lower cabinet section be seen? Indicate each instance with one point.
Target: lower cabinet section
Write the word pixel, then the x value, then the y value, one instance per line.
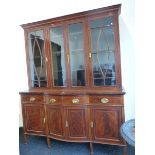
pixel 73 121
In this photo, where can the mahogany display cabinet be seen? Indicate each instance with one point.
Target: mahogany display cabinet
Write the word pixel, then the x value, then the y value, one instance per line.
pixel 74 76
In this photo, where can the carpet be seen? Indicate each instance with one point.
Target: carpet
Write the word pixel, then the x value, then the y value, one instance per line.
pixel 38 146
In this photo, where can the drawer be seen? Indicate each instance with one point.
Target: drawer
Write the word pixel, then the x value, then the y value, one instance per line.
pixel 105 99
pixel 75 99
pixel 32 98
pixel 53 99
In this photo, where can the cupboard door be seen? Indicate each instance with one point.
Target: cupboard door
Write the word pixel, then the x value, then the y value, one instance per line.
pixel 103 52
pixel 37 63
pixel 55 121
pixel 58 56
pixel 106 122
pixel 34 118
pixel 76 52
pixel 76 123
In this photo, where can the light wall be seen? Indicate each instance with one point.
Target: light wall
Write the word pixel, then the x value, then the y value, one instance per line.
pixel 13 62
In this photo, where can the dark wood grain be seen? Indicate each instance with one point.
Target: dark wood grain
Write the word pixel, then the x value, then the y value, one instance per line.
pixel 54 121
pixel 34 118
pixel 77 129
pixel 106 124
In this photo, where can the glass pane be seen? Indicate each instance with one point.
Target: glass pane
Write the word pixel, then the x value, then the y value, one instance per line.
pixel 76 49
pixel 103 52
pixel 58 57
pixel 37 59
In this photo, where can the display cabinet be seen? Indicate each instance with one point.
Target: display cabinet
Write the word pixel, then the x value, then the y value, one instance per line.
pixel 74 76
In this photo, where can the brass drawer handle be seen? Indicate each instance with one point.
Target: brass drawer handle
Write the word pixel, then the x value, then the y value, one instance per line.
pixel 104 100
pixel 52 100
pixel 32 99
pixel 75 100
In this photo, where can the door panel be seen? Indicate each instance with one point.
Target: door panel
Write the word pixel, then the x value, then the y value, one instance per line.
pixel 55 126
pixel 103 52
pixel 58 56
pixel 37 63
pixel 34 118
pixel 76 50
pixel 76 123
pixel 106 123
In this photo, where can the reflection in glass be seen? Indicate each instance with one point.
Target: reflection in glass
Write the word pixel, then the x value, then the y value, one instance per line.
pixel 37 59
pixel 103 58
pixel 76 49
pixel 58 59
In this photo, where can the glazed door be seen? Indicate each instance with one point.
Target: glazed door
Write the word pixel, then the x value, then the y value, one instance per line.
pixel 103 51
pixel 58 56
pixel 76 123
pixel 105 123
pixel 77 54
pixel 37 60
pixel 34 118
pixel 55 121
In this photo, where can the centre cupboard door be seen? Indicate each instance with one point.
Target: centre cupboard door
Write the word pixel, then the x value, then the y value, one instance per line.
pixel 55 121
pixel 76 123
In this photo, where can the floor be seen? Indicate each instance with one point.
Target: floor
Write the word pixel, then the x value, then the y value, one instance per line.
pixel 38 146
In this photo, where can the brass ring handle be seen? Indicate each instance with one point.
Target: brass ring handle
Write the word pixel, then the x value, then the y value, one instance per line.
pixel 75 100
pixel 52 100
pixel 104 100
pixel 32 99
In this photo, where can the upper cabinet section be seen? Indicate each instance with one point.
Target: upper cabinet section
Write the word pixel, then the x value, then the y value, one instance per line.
pixel 77 51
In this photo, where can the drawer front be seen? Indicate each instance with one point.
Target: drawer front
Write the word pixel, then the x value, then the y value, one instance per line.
pixel 32 98
pixel 53 99
pixel 75 99
pixel 105 99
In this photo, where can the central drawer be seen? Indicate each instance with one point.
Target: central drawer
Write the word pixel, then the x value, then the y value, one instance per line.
pixel 53 99
pixel 75 99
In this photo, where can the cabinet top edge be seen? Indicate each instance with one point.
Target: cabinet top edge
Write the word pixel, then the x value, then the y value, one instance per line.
pixel 60 93
pixel 107 9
